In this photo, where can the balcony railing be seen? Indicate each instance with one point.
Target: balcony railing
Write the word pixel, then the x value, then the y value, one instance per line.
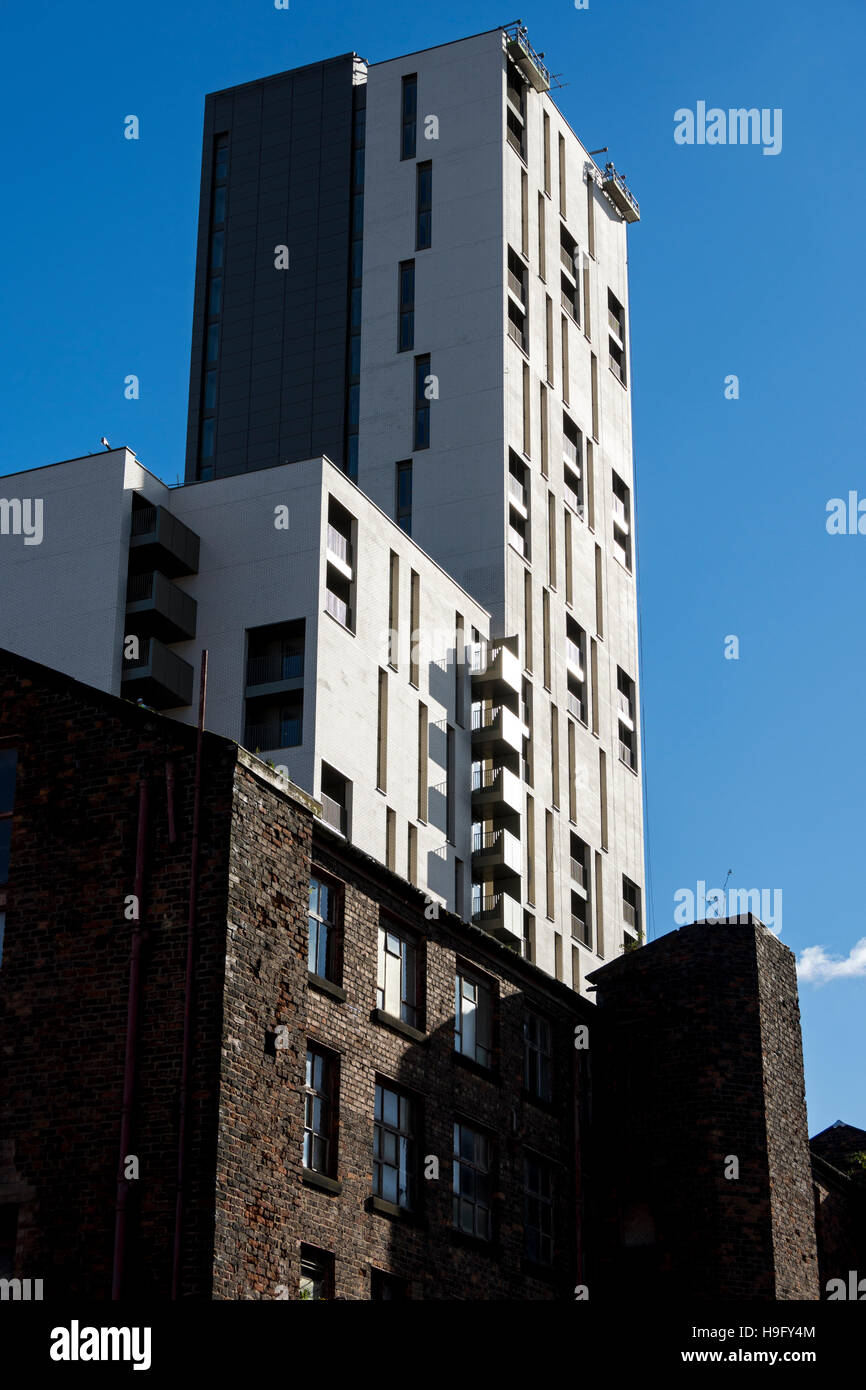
pixel 574 656
pixel 580 930
pixel 516 491
pixel 619 515
pixel 515 284
pixel 570 453
pixel 337 607
pixel 578 871
pixel 339 545
pixel 615 324
pixel 517 333
pixel 567 258
pixel 620 194
pixel 139 586
pixel 143 520
pixel 529 61
pixel 276 733
pixel 627 754
pixel 629 916
pixel 576 706
pixel 262 670
pixel 573 499
pixel 333 813
pixel 624 709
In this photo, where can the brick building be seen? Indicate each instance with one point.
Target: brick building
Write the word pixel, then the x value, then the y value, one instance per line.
pixel 379 1100
pixel 839 1179
pixel 371 1029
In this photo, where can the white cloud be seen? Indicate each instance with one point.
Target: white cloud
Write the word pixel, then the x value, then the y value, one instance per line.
pixel 816 966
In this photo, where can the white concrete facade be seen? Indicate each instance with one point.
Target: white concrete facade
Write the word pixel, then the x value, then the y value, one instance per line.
pixel 266 558
pixel 488 197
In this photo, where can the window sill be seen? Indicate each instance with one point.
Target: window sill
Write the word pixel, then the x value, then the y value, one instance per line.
pixel 632 770
pixel 616 378
pixel 383 1208
pixel 326 987
pixel 313 1179
pixel 477 1243
pixel 540 1102
pixel 398 1026
pixel 340 625
pixel 477 1068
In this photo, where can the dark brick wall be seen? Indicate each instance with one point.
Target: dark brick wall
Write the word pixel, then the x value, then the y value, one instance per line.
pixel 65 974
pixel 260 1185
pixel 703 1061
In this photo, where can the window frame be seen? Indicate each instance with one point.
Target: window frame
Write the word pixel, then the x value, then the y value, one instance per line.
pixel 463 976
pixel 406 1168
pixel 333 924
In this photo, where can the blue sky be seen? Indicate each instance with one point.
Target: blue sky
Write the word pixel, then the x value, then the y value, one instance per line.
pixel 742 264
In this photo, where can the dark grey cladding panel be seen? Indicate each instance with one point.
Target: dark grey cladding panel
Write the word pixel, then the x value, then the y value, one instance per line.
pixel 284 334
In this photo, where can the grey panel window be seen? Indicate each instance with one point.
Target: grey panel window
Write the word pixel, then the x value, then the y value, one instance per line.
pixel 217 250
pixel 424 207
pixel 215 297
pixel 213 343
pixel 406 323
pixel 409 116
pixel 404 496
pixel 210 390
pixel 208 434
pixel 422 403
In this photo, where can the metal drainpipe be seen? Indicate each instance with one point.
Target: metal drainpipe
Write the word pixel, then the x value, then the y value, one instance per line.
pixel 188 986
pixel 131 1046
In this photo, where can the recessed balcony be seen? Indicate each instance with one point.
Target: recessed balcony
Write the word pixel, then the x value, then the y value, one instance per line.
pixel 496 854
pixel 274 672
pixel 517 496
pixel 339 552
pixel 157 676
pixel 159 607
pixel 574 659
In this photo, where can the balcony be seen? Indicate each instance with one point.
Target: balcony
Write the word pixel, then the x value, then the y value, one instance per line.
pixel 271 673
pixel 158 541
pixel 495 671
pixel 496 854
pixel 339 551
pixel 518 333
pixel 627 755
pixel 157 676
pixel 499 914
pixel 517 495
pixel 159 607
pixel 526 58
pixel 496 732
pixel 614 185
pixel 619 515
pixel 567 259
pixel 495 792
pixel 276 733
pixel 333 813
pixel 570 453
